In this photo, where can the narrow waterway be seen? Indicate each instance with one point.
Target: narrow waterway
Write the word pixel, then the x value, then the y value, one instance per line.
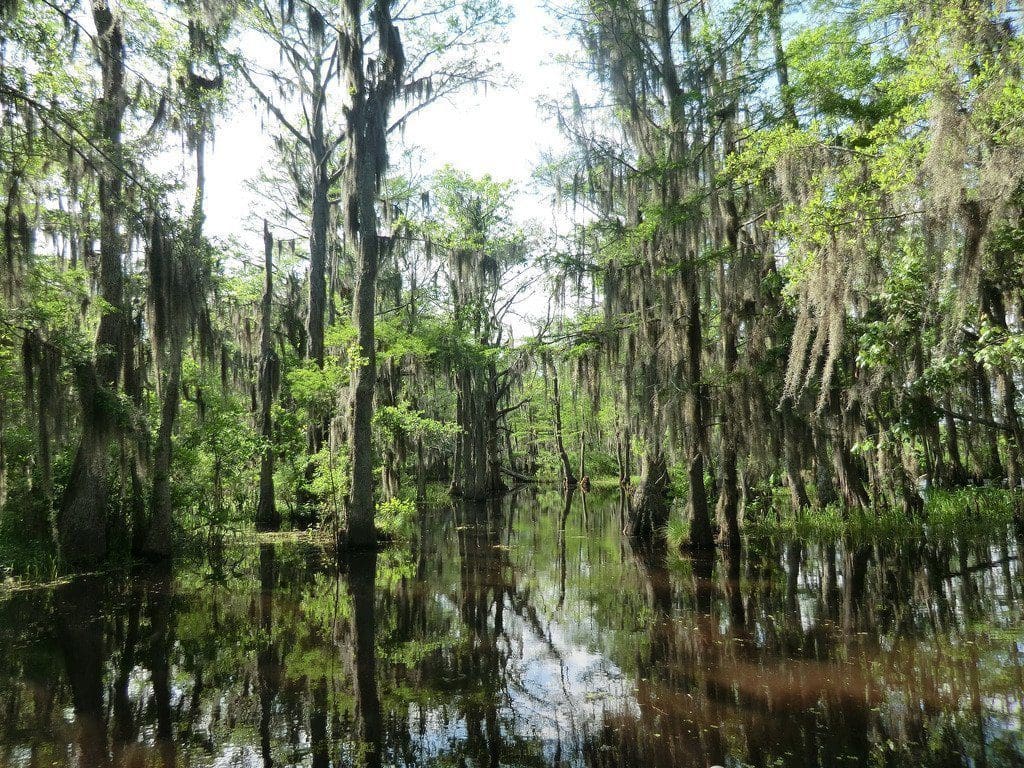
pixel 526 633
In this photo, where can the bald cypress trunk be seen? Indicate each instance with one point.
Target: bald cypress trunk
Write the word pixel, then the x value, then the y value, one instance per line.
pixel 371 99
pixel 957 472
pixel 992 465
pixel 317 429
pixel 3 453
pixel 152 538
pixel 81 522
pixel 849 474
pixel 975 218
pixel 995 309
pixel 701 535
pixel 568 478
pixel 648 512
pixel 157 543
pixel 824 482
pixel 361 531
pixel 793 432
pixel 727 510
pixel 775 11
pixel 478 459
pixel 267 516
pixel 318 242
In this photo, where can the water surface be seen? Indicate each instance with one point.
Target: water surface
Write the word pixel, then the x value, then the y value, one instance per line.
pixel 526 633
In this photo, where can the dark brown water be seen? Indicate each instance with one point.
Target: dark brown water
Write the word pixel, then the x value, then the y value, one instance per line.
pixel 526 634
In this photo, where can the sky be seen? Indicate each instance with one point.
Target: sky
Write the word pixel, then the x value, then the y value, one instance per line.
pixel 498 131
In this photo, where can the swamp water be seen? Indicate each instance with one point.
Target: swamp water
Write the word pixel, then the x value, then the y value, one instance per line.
pixel 526 633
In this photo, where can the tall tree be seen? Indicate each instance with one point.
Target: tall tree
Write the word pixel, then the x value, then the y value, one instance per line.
pixel 373 86
pixel 81 525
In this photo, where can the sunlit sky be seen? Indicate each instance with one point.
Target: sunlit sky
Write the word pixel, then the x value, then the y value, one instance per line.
pixel 499 131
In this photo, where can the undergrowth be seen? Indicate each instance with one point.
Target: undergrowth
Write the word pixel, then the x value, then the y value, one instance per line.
pixel 963 513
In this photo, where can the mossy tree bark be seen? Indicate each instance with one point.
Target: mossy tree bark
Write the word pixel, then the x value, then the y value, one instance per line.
pixel 267 516
pixel 81 522
pixel 374 85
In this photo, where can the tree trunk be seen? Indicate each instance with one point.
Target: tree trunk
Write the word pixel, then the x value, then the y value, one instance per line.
pixel 478 465
pixel 318 427
pixel 824 482
pixel 850 474
pixel 267 516
pixel 775 11
pixel 583 457
pixel 993 467
pixel 727 510
pixel 701 536
pixel 622 455
pixel 3 455
pixel 792 438
pixel 957 473
pixel 81 525
pixel 157 541
pixel 318 244
pixel 366 160
pixel 568 478
pixel 995 309
pixel 361 530
pixel 648 513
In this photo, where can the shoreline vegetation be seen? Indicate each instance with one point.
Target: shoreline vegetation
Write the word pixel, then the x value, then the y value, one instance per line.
pixel 954 516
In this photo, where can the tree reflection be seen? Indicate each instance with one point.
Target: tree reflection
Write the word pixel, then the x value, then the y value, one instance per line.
pixel 362 575
pixel 80 632
pixel 515 633
pixel 268 661
pixel 482 589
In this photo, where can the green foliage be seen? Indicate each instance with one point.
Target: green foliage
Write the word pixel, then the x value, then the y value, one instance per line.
pixel 963 514
pixel 396 517
pixel 215 468
pixel 329 482
pixel 400 421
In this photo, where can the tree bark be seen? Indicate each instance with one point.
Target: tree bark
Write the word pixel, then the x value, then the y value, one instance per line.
pixel 727 510
pixel 957 472
pixel 792 438
pixel 478 462
pixel 316 312
pixel 775 11
pixel 701 536
pixel 568 478
pixel 318 241
pixel 157 541
pixel 361 530
pixel 267 516
pixel 995 309
pixel 366 117
pixel 648 513
pixel 81 522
